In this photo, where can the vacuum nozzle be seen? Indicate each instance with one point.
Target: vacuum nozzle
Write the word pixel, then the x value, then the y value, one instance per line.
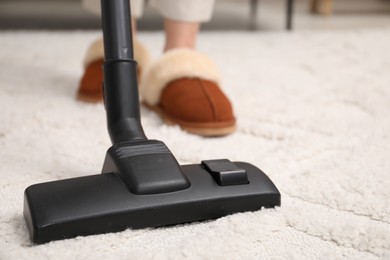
pixel 103 203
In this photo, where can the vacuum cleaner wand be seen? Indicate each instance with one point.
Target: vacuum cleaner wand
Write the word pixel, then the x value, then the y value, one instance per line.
pixel 116 23
pixel 120 73
pixel 142 184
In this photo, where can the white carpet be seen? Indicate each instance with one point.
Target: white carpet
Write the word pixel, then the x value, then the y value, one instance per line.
pixel 313 113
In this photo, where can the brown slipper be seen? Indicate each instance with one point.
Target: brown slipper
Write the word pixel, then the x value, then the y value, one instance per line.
pixel 90 88
pixel 182 87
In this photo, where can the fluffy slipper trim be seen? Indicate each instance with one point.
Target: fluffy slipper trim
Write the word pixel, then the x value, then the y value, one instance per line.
pixel 96 52
pixel 176 64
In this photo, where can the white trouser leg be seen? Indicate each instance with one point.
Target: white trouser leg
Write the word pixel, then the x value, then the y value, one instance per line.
pixel 185 10
pixel 93 6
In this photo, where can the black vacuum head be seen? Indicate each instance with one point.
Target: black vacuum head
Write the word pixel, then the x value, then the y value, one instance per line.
pixel 131 194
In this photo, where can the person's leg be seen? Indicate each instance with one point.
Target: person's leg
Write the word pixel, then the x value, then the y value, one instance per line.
pixel 183 85
pixel 180 34
pixel 182 20
pixel 134 26
pixel 185 11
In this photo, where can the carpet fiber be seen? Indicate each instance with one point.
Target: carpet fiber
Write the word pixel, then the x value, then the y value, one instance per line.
pixel 313 113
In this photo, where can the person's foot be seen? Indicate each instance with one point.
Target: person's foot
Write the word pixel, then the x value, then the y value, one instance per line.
pixel 182 87
pixel 90 88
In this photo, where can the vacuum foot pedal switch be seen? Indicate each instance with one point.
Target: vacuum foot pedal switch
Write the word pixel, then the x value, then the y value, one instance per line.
pixel 225 172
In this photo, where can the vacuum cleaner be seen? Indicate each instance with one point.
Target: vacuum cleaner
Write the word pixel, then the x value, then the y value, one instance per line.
pixel 141 184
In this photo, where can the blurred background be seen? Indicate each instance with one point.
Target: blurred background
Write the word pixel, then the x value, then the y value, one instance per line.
pixel 229 15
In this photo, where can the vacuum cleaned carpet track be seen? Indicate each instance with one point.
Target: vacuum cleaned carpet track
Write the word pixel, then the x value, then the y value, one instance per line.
pixel 313 113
